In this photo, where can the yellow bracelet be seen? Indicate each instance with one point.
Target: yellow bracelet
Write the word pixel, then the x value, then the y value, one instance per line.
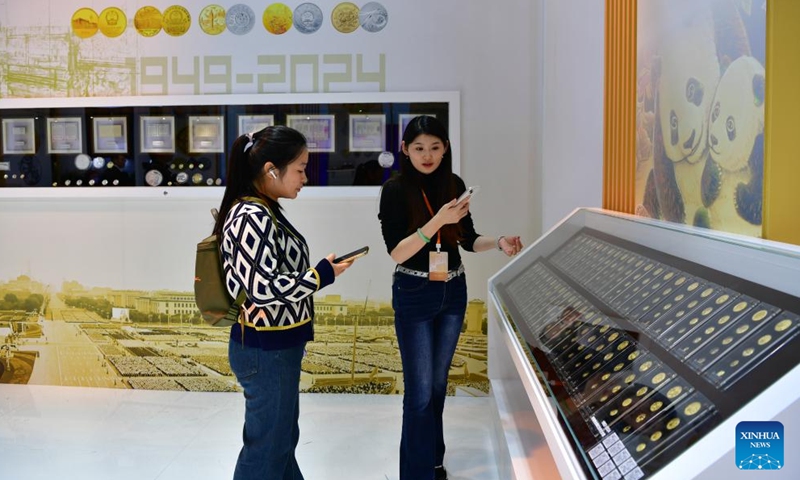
pixel 422 236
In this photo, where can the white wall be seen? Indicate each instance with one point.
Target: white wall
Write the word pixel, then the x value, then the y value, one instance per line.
pixel 572 128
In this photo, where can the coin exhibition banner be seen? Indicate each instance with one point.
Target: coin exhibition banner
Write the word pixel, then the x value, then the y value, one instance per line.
pixel 96 290
pixel 700 113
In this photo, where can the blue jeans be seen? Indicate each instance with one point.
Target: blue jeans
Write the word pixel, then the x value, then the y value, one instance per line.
pixel 271 382
pixel 427 318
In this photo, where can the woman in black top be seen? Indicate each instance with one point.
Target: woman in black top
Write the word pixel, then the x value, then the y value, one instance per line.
pixel 423 227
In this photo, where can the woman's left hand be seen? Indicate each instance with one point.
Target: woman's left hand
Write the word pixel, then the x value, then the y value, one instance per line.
pixel 510 245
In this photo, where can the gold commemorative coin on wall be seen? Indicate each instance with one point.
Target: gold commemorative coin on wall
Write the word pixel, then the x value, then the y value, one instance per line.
pixel 148 21
pixel 113 22
pixel 345 17
pixel 176 20
pixel 212 19
pixel 84 22
pixel 277 18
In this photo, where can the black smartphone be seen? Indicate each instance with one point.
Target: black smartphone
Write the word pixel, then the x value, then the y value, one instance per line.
pixel 352 255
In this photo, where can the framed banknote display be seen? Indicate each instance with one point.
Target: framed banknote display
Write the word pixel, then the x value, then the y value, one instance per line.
pixel 367 132
pixel 157 134
pixel 319 130
pixel 254 123
pixel 110 134
pixel 18 136
pixel 652 340
pixel 65 135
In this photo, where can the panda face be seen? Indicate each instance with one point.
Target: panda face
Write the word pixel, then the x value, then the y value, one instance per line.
pixel 737 113
pixel 689 72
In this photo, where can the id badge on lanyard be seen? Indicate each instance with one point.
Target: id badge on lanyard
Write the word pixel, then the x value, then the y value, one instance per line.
pixel 437 266
pixel 437 261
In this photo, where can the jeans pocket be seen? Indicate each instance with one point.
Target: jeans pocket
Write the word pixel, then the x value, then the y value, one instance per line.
pixel 409 283
pixel 243 360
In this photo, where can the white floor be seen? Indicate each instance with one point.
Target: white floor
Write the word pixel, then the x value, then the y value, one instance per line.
pixel 113 434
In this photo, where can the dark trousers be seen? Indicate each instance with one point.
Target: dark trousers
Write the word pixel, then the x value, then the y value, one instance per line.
pixel 428 320
pixel 271 382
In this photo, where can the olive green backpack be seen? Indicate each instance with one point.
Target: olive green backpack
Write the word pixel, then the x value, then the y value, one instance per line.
pixel 216 306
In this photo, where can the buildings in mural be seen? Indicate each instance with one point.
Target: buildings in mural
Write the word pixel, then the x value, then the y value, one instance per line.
pixel 102 337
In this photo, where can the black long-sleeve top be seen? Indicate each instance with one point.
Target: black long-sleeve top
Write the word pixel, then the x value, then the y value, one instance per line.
pixel 395 223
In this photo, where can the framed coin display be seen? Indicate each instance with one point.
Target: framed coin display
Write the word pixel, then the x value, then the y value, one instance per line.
pixel 110 134
pixel 65 135
pixel 157 134
pixel 18 136
pixel 206 134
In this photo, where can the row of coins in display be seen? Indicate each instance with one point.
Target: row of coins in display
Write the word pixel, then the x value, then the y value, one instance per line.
pixel 238 19
pixel 698 321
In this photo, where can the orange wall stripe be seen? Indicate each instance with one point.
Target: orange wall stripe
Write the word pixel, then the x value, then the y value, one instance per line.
pixel 619 126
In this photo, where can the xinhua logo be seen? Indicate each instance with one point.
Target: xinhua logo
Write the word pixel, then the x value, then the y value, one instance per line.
pixel 759 445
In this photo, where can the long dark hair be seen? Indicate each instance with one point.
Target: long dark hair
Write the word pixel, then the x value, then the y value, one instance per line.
pixel 440 184
pixel 249 153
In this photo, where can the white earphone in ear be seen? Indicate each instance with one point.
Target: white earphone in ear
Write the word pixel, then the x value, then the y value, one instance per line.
pixel 272 174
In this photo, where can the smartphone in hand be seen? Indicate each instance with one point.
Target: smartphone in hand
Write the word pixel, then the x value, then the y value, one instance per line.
pixel 468 193
pixel 349 257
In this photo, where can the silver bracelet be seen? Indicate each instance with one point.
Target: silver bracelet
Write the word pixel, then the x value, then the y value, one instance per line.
pixel 498 242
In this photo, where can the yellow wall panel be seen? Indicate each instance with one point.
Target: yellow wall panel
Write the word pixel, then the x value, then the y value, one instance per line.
pixel 781 149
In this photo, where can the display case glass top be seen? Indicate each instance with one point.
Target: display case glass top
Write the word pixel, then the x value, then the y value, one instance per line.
pixel 647 336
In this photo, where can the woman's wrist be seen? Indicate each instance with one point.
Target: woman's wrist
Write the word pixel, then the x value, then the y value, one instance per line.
pixel 497 244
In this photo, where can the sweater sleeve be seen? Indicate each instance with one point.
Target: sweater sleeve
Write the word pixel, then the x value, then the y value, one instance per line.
pixel 393 214
pixel 469 235
pixel 250 259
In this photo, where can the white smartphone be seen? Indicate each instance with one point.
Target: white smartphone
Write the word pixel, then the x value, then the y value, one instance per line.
pixel 469 192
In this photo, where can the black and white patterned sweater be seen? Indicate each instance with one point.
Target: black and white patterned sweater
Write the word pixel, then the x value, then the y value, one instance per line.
pixel 264 254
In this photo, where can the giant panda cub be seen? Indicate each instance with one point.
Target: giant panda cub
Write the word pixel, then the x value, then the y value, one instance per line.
pixel 734 183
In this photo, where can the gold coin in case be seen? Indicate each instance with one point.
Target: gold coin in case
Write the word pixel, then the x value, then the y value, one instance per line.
pixel 84 22
pixel 659 377
pixel 674 392
pixel 692 408
pixel 764 339
pixel 345 17
pixel 148 21
pixel 626 402
pixel 212 19
pixel 176 20
pixel 673 424
pixel 656 406
pixel 113 22
pixel 642 391
pixel 641 447
pixel 656 436
pixel 783 325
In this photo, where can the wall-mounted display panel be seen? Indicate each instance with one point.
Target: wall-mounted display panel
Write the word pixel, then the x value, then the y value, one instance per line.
pixel 18 136
pixel 652 341
pixel 185 141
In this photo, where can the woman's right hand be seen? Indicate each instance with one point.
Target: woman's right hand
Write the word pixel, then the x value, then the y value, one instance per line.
pixel 452 212
pixel 338 268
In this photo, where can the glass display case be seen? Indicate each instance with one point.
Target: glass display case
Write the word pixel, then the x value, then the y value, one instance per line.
pixel 642 342
pixel 185 141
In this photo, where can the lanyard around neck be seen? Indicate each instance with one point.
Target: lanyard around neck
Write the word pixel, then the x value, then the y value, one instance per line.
pixel 438 232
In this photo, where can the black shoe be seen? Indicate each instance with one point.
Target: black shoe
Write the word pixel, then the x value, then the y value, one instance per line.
pixel 440 473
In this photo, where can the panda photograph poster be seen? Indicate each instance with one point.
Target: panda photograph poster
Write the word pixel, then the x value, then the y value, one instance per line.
pixel 700 112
